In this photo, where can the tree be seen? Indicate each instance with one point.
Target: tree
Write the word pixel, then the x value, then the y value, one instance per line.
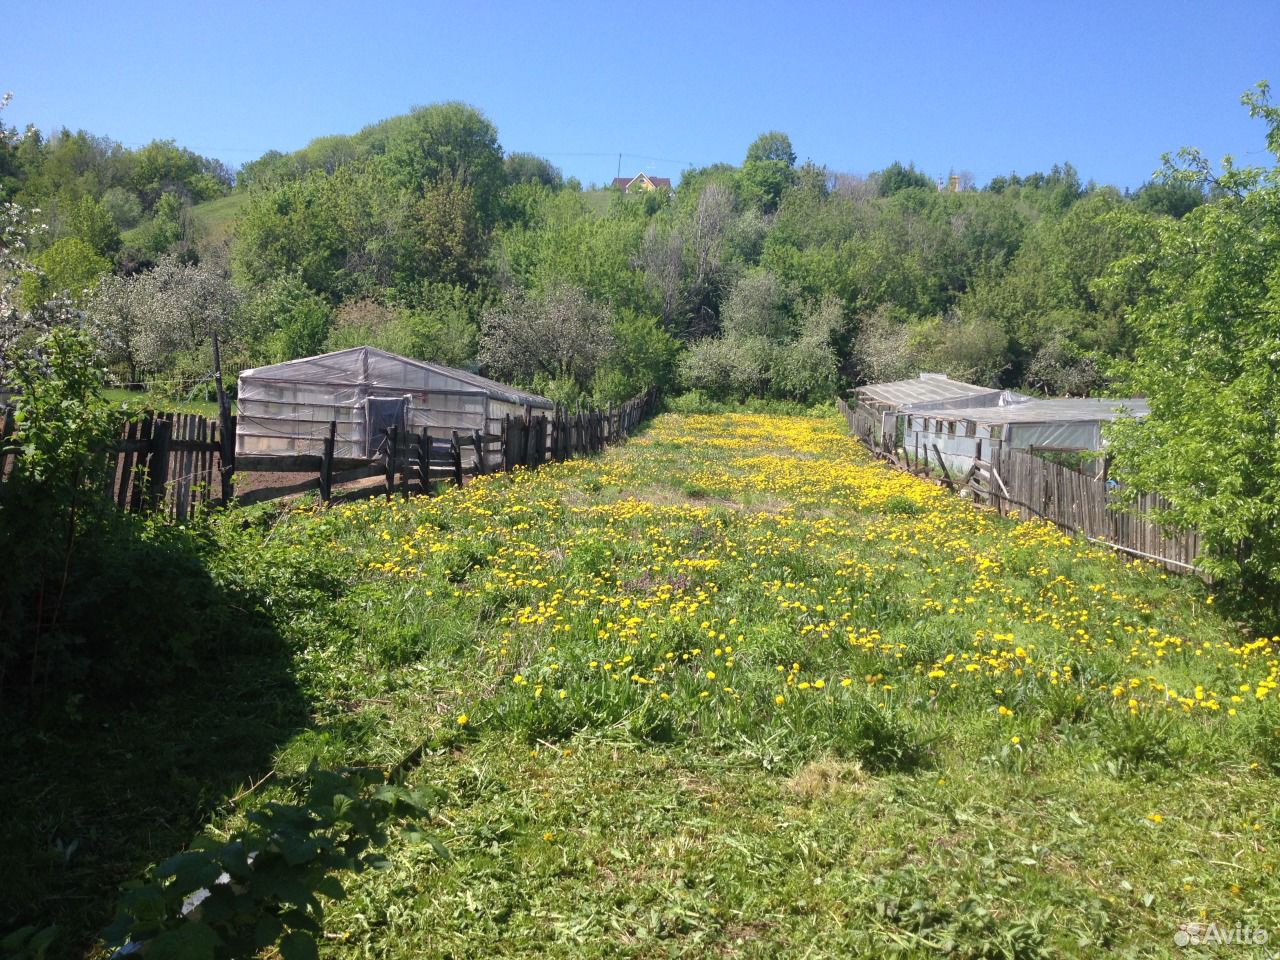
pixel 644 355
pixel 53 495
pixel 151 318
pixel 771 147
pixel 443 241
pixel 560 337
pixel 809 367
pixel 449 140
pixel 298 228
pixel 123 206
pixel 444 325
pixel 727 368
pixel 286 319
pixel 896 177
pixel 1209 339
pixel 121 307
pixel 759 305
pixel 93 223
pixel 1170 198
pixel 767 171
pixel 367 323
pixel 530 168
pixel 662 260
pixel 70 267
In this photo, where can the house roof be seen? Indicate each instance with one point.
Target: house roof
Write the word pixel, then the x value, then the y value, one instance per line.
pixel 926 388
pixel 622 183
pixel 360 364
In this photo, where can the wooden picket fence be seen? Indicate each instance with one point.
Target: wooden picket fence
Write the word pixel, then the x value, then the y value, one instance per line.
pixel 1012 481
pixel 162 462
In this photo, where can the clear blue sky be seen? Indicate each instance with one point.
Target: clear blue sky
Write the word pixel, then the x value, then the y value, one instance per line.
pixel 987 87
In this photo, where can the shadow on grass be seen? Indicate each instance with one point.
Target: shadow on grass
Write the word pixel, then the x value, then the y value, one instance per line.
pixel 175 695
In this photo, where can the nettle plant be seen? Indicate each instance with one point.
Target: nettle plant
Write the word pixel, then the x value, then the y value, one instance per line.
pixel 266 886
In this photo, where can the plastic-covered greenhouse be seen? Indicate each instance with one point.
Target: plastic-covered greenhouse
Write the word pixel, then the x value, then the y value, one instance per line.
pixel 286 409
pixel 1067 425
pixel 878 404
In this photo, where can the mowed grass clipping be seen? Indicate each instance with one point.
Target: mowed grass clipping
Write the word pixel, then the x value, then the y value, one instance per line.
pixel 736 689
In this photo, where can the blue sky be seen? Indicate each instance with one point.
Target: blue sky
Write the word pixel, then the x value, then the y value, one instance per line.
pixel 985 87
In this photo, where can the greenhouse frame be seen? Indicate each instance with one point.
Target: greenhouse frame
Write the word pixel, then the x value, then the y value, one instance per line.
pixel 286 409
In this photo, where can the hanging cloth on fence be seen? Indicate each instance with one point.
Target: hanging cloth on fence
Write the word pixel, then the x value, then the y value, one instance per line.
pixel 380 415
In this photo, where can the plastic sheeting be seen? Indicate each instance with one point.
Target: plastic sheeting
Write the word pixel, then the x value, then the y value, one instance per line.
pixel 286 409
pixel 927 389
pixel 965 434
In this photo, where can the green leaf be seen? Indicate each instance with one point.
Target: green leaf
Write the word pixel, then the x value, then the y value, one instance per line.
pixel 332 888
pixel 299 946
pixel 267 931
pixel 191 940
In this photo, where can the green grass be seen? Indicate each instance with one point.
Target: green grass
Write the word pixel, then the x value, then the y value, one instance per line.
pixel 139 400
pixel 732 689
pixel 214 222
pixel 215 219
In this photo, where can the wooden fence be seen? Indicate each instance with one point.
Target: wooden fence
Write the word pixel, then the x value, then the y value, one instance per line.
pixel 166 462
pixel 412 462
pixel 1012 481
pixel 173 462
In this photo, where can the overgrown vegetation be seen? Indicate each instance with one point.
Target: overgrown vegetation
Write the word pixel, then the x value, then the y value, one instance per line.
pixel 731 687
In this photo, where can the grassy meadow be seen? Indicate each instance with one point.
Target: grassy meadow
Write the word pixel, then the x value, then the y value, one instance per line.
pixel 736 689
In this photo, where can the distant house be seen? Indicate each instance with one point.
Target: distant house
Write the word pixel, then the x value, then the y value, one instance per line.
pixel 641 181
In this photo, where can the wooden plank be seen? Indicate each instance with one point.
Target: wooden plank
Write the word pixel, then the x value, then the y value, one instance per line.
pixel 179 492
pixel 158 465
pixel 124 466
pixel 146 430
pixel 297 463
pixel 946 474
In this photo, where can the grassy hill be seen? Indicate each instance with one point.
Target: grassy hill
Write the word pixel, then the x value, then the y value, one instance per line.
pixel 736 689
pixel 215 219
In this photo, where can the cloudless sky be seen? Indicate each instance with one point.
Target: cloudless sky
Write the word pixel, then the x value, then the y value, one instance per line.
pixel 988 87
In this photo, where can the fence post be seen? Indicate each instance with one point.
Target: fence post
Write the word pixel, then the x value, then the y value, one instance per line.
pixel 158 464
pixel 226 428
pixel 390 452
pixel 424 462
pixel 457 460
pixel 478 443
pixel 529 434
pixel 326 463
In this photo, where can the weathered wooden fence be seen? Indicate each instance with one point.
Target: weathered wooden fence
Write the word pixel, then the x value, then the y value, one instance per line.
pixel 172 462
pixel 1012 481
pixel 168 462
pixel 412 462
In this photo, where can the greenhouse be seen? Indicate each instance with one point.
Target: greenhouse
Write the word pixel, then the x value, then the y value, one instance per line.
pixel 878 404
pixel 963 434
pixel 286 409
